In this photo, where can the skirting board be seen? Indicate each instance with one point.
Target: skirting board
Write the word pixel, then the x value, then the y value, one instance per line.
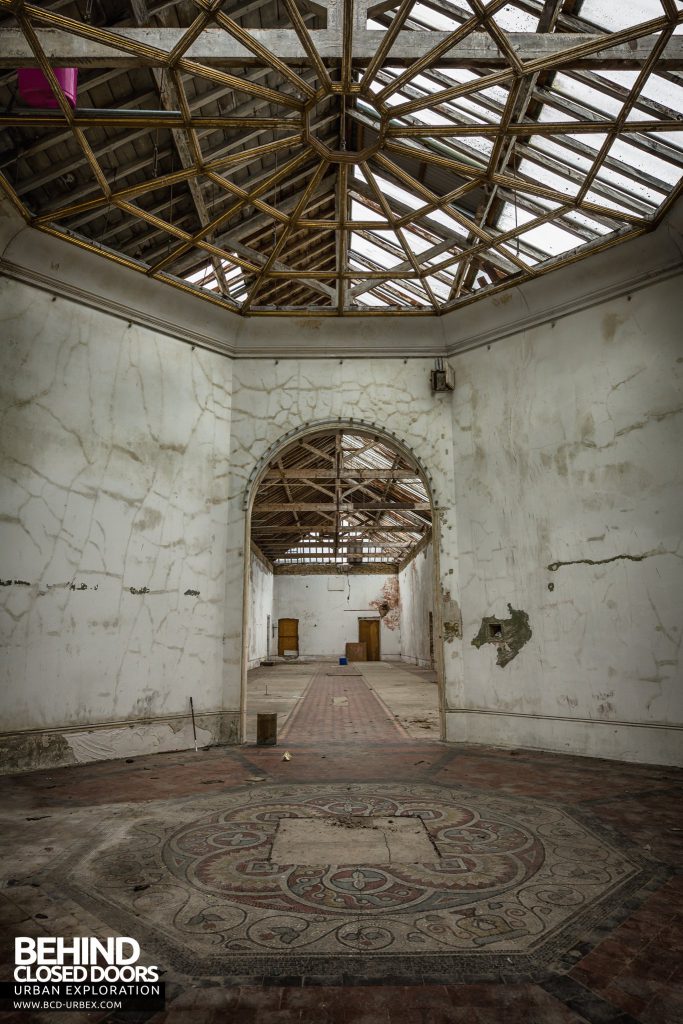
pixel 642 743
pixel 56 748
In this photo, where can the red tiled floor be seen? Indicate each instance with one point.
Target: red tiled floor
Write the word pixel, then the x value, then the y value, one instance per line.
pixel 340 706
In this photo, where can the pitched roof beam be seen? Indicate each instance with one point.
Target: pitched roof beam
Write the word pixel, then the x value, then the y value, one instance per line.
pixel 79 45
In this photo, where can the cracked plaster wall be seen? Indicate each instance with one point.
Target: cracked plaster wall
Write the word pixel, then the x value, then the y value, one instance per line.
pixel 560 450
pixel 417 600
pixel 271 397
pixel 569 490
pixel 114 458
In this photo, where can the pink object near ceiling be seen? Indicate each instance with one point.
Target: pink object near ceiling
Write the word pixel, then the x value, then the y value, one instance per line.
pixel 34 88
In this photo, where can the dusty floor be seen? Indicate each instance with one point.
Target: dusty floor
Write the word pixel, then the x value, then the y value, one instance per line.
pixel 520 887
pixel 409 692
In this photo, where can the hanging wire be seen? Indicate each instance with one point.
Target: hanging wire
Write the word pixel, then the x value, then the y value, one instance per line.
pixel 170 212
pixel 114 171
pixel 155 169
pixel 514 164
pixel 275 197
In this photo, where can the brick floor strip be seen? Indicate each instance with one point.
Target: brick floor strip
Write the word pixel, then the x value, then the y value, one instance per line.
pixel 340 706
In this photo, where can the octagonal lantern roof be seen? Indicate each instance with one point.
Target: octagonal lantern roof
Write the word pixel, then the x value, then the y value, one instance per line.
pixel 344 157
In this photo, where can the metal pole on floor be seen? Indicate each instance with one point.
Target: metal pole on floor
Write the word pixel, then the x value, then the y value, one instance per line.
pixel 194 727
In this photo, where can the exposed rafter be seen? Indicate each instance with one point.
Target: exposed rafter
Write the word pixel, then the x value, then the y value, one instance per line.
pixel 341 499
pixel 359 158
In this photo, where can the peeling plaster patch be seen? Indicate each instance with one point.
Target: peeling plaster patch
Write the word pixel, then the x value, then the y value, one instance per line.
pixel 451 631
pixel 388 604
pixel 511 637
pixel 26 751
pixel 104 744
pixel 452 619
pixel 229 728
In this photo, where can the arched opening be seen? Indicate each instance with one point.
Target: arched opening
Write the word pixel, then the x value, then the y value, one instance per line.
pixel 341 571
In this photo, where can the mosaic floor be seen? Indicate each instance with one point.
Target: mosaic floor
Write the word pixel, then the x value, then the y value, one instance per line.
pixel 365 881
pixel 500 880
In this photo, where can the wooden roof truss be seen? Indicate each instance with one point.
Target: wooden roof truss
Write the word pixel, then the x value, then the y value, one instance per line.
pixel 366 157
pixel 342 501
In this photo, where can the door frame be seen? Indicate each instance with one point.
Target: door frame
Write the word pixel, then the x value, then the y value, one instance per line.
pixel 286 618
pixel 261 467
pixel 377 619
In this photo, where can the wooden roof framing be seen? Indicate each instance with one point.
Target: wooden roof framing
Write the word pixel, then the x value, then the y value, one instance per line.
pixel 341 500
pixel 309 158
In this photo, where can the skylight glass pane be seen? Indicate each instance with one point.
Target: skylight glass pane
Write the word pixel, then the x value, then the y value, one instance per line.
pixel 614 16
pixel 555 146
pixel 416 243
pixel 512 217
pixel 536 172
pixel 512 19
pixel 664 91
pixel 206 278
pixel 577 217
pixel 359 211
pixel 368 299
pixel 373 252
pixel 549 239
pixel 640 160
pixel 587 96
pixel 433 19
pixel 629 187
pixel 440 289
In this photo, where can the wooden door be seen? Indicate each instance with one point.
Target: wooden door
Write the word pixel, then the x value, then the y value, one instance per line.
pixel 287 635
pixel 368 633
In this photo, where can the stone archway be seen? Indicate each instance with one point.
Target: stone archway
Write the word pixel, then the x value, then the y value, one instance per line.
pixel 359 501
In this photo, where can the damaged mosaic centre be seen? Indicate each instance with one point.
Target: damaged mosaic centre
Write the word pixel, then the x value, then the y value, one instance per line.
pixel 341 587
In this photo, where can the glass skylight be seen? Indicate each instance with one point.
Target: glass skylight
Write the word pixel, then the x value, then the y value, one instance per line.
pixel 410 165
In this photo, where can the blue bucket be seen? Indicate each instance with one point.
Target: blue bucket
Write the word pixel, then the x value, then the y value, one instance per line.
pixel 343 661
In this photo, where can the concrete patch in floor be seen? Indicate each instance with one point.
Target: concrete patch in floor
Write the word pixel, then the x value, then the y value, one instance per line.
pixel 352 840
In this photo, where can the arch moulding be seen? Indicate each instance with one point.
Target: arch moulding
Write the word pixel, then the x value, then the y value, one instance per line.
pixel 309 429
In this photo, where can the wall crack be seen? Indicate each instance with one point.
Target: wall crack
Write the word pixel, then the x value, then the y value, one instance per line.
pixel 554 566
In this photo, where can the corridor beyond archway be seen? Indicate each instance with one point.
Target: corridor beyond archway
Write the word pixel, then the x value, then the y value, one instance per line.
pixel 342 586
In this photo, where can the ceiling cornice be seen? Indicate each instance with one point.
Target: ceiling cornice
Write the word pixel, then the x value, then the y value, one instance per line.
pixel 55 266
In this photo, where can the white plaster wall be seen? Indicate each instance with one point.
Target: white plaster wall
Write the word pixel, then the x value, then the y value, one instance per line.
pixel 567 449
pixel 273 397
pixel 114 446
pixel 561 444
pixel 416 583
pixel 260 611
pixel 328 616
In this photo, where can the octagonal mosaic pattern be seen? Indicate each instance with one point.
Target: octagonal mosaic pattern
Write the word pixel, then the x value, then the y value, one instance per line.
pixel 508 880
